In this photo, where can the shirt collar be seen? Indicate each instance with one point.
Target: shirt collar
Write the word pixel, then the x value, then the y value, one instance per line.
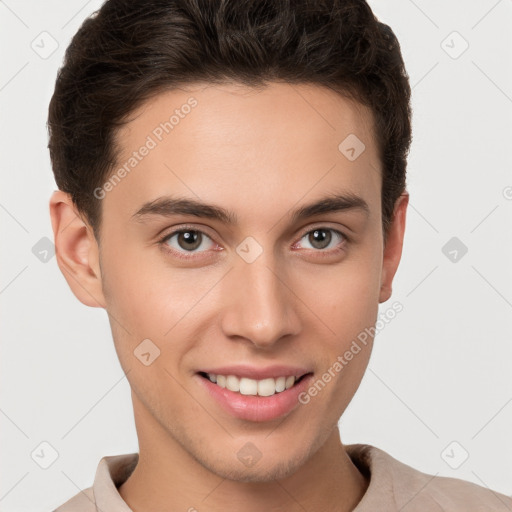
pixel 113 470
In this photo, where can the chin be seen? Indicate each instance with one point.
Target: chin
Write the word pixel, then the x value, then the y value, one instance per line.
pixel 281 466
pixel 261 473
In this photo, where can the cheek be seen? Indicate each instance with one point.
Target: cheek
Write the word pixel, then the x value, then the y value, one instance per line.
pixel 155 301
pixel 141 291
pixel 346 300
pixel 135 297
pixel 350 311
pixel 349 293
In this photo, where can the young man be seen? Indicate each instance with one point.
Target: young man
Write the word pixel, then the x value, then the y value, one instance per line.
pixel 232 191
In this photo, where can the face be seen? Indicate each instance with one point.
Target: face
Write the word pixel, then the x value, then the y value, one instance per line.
pixel 255 284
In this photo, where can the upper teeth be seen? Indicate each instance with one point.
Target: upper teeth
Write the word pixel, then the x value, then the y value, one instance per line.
pixel 245 386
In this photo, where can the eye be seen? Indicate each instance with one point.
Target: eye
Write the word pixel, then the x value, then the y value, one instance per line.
pixel 323 239
pixel 186 240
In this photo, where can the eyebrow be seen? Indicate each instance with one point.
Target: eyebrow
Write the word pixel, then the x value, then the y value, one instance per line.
pixel 167 206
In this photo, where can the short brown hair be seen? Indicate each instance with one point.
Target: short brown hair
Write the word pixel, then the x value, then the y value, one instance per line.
pixel 130 50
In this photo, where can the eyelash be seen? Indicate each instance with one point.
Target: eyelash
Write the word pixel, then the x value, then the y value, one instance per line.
pixel 183 229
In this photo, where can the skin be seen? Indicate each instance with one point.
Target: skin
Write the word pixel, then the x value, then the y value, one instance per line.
pixel 261 154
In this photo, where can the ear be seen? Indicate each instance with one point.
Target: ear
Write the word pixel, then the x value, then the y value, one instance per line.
pixel 393 246
pixel 76 250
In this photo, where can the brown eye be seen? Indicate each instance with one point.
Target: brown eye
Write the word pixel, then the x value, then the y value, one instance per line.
pixel 321 238
pixel 187 241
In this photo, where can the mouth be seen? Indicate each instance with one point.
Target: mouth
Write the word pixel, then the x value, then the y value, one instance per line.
pixel 256 400
pixel 254 387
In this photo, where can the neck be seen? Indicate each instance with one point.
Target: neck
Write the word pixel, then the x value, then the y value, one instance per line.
pixel 168 477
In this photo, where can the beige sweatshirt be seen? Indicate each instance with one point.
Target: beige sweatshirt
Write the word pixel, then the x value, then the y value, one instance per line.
pixel 393 487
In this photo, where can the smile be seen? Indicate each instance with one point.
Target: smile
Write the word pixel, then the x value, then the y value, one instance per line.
pixel 247 386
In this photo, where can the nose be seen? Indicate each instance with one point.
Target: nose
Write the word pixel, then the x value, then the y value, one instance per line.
pixel 262 306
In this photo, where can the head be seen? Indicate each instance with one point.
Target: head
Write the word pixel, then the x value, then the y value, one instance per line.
pixel 257 111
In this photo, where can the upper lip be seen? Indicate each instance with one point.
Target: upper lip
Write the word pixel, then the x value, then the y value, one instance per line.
pixel 252 372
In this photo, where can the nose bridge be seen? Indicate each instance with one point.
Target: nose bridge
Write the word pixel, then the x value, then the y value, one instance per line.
pixel 261 308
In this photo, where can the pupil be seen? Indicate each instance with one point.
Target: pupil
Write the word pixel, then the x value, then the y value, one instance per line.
pixel 191 238
pixel 322 236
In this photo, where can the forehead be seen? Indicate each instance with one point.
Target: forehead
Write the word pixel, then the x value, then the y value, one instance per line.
pixel 244 145
pixel 235 112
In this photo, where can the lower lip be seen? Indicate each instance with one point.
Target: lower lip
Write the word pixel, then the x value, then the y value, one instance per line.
pixel 254 407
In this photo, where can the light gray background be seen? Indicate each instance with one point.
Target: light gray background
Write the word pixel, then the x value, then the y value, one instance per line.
pixel 441 370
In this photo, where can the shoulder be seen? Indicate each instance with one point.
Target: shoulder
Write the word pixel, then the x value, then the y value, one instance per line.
pixel 81 502
pixel 400 486
pixel 103 495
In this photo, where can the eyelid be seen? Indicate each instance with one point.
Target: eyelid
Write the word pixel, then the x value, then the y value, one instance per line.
pixel 183 255
pixel 184 227
pixel 326 226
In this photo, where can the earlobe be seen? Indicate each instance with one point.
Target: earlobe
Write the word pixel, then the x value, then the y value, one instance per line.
pixel 393 247
pixel 76 250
